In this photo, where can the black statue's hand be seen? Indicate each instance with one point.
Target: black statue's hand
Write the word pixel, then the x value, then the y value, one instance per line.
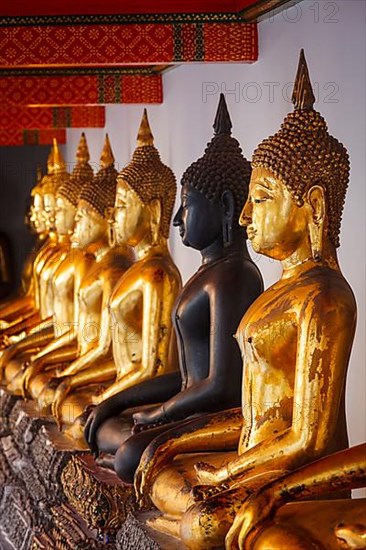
pixel 98 414
pixel 148 419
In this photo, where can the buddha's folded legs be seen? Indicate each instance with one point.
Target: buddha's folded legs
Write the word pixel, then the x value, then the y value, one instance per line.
pixel 112 433
pixel 200 525
pixel 115 437
pixel 316 525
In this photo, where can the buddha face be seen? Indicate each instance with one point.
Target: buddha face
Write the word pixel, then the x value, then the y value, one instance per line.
pixel 89 226
pixel 132 217
pixel 276 226
pixel 198 219
pixel 49 203
pixel 65 216
pixel 37 215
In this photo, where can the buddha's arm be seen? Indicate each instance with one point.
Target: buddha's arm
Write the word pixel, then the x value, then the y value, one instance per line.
pixel 35 367
pixel 18 332
pixel 65 340
pixel 344 470
pixel 13 311
pixel 34 329
pixel 211 432
pixel 150 391
pixel 220 389
pixel 36 339
pixel 96 374
pixel 103 345
pixel 151 333
pixel 7 354
pixel 326 330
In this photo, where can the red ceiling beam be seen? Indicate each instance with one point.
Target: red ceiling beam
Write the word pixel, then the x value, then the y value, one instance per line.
pixel 21 117
pixel 45 7
pixel 31 137
pixel 120 45
pixel 91 89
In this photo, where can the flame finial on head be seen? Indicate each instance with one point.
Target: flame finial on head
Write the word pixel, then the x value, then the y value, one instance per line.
pixel 144 136
pixel 58 160
pixel 82 174
pixel 82 154
pixel 303 95
pixel 106 158
pixel 222 124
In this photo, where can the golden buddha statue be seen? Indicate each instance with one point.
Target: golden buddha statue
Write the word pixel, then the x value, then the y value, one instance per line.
pixel 91 312
pixel 136 310
pixel 266 520
pixel 62 282
pixel 43 269
pixel 295 339
pixel 23 303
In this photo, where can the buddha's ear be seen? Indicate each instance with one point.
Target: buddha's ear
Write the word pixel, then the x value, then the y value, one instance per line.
pixel 228 203
pixel 155 219
pixel 316 201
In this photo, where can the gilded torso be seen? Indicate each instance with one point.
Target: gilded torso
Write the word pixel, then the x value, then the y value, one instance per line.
pixel 268 336
pixel 148 288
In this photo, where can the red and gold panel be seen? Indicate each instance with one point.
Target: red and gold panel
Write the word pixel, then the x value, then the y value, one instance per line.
pixel 80 90
pixel 111 45
pixel 31 137
pixel 235 42
pixel 20 117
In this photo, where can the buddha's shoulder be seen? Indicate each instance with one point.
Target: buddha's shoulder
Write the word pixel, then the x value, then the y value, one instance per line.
pixel 236 269
pixel 156 269
pixel 326 285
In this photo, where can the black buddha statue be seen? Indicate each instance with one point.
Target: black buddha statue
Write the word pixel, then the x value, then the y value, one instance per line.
pixel 206 314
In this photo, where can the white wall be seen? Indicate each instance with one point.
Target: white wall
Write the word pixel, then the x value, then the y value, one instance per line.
pixel 333 36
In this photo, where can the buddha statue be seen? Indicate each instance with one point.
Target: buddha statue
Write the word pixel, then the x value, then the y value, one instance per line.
pixel 16 309
pixel 275 516
pixel 91 312
pixel 295 339
pixel 206 313
pixel 40 332
pixel 63 278
pixel 140 304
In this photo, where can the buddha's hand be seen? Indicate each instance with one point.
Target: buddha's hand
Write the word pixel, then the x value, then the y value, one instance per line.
pixel 97 416
pixel 5 356
pixel 153 459
pixel 148 419
pixel 257 509
pixel 203 492
pixel 30 369
pixel 4 324
pixel 209 475
pixel 63 389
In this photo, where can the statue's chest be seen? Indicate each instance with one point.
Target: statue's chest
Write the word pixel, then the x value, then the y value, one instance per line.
pixel 267 337
pixel 191 315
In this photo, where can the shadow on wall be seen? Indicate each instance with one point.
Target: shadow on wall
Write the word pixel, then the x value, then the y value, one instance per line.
pixel 18 167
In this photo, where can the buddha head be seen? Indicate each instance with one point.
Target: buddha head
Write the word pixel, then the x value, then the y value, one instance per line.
pixel 214 189
pixel 35 218
pixel 44 193
pixel 298 185
pixel 145 194
pixel 67 195
pixel 96 197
